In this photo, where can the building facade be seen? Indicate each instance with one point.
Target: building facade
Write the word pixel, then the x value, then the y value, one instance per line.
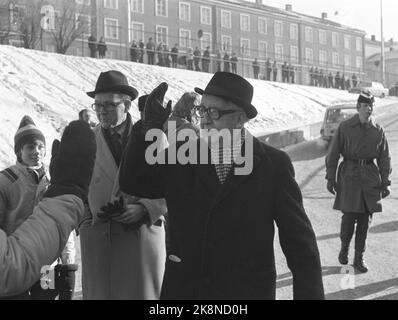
pixel 250 30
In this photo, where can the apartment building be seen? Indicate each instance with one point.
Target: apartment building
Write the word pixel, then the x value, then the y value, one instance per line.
pixel 251 30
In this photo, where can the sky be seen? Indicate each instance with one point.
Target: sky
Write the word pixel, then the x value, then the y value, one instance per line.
pixel 361 14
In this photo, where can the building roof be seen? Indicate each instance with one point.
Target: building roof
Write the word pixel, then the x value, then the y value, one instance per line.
pixel 389 55
pixel 294 15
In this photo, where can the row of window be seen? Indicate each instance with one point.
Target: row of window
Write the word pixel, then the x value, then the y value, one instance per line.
pixel 262 24
pixel 109 4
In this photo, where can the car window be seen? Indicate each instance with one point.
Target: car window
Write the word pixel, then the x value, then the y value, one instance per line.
pixel 339 115
pixel 377 85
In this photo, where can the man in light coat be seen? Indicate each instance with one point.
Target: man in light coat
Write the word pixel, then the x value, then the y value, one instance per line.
pixel 361 184
pixel 123 253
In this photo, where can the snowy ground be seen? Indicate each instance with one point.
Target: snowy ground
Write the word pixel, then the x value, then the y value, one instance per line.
pixel 51 88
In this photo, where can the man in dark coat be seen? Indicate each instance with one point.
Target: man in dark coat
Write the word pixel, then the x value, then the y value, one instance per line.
pixel 206 60
pixel 92 45
pixel 150 49
pixel 221 221
pixel 234 63
pixel 196 58
pixel 256 68
pixel 361 184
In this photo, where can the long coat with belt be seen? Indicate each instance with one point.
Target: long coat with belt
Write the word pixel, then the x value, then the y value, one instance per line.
pixel 117 262
pixel 222 236
pixel 359 186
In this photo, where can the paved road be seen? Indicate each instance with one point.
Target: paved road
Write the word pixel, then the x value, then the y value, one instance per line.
pixel 381 282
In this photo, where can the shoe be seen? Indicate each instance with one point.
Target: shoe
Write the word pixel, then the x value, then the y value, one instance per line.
pixel 343 256
pixel 360 264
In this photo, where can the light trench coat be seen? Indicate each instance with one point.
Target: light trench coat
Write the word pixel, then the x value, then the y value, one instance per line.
pixel 118 263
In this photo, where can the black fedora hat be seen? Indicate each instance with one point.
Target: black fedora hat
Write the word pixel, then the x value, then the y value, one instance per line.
pixel 233 88
pixel 113 81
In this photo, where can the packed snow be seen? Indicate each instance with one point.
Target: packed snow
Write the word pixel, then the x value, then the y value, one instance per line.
pixel 51 88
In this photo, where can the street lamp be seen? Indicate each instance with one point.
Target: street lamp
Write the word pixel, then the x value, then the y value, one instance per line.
pixel 383 59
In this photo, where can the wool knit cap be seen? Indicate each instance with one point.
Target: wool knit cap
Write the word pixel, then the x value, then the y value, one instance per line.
pixel 27 132
pixel 366 97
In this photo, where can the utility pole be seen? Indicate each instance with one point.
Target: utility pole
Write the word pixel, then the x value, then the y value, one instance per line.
pixel 383 58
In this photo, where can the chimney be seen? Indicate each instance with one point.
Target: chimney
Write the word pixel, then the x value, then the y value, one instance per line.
pixel 324 15
pixel 289 7
pixel 373 38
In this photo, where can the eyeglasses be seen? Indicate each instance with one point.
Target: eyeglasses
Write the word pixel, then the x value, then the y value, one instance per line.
pixel 107 106
pixel 212 113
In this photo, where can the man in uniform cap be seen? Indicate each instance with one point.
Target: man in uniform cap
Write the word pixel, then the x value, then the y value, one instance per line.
pixel 362 179
pixel 221 223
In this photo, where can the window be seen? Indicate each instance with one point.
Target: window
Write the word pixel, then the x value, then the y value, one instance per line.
pixel 137 6
pixel 111 4
pixel 185 11
pixel 185 38
pixel 206 40
pixel 262 49
pixel 279 51
pixel 278 29
pixel 294 53
pixel 205 15
pixel 335 59
pixel 226 43
pixel 359 63
pixel 161 8
pixel 83 23
pixel 293 31
pixel 245 47
pixel 359 44
pixel 111 28
pixel 309 37
pixel 347 60
pixel 347 42
pixel 322 37
pixel 245 22
pixel 309 56
pixel 322 58
pixel 335 39
pixel 226 19
pixel 262 25
pixel 83 2
pixel 137 33
pixel 161 34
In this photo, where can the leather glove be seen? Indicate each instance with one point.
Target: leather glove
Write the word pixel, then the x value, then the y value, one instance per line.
pixel 155 115
pixel 332 187
pixel 112 209
pixel 54 156
pixel 385 192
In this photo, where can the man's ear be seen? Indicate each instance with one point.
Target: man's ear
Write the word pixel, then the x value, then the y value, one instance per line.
pixel 127 105
pixel 242 119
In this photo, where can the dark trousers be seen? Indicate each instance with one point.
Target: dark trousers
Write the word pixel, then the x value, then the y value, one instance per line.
pixel 348 221
pixel 151 58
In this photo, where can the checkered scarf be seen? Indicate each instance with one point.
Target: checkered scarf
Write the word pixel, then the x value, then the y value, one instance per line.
pixel 223 157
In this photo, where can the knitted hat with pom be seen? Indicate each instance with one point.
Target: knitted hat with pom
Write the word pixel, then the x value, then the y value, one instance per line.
pixel 26 133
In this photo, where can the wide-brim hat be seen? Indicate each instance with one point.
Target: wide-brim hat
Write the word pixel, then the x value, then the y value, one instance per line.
pixel 233 88
pixel 115 82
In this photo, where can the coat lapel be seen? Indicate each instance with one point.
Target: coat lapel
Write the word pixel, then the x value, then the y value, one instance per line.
pixel 105 160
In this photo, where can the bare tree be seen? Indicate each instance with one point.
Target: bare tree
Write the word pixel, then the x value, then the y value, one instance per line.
pixel 30 28
pixel 71 22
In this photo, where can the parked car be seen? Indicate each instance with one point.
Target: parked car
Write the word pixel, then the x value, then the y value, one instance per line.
pixel 375 88
pixel 334 115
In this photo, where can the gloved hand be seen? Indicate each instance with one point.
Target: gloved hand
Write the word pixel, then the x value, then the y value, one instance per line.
pixel 135 214
pixel 112 209
pixel 72 161
pixel 155 115
pixel 332 186
pixel 385 191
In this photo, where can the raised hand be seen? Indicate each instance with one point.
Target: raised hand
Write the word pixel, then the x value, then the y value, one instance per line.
pixel 155 115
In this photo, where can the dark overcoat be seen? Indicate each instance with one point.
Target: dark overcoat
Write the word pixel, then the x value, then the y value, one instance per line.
pixel 222 236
